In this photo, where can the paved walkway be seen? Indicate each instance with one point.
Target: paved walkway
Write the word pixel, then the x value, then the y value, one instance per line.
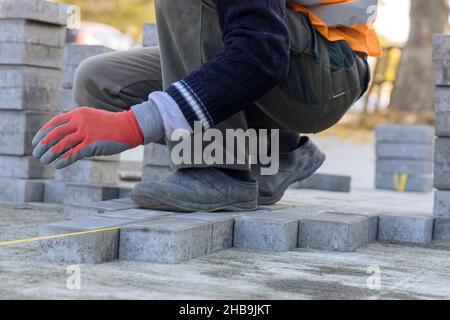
pixel 404 272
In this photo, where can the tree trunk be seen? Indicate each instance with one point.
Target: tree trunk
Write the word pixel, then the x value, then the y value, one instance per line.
pixel 414 88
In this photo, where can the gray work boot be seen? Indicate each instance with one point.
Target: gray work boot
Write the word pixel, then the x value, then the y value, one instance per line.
pixel 197 189
pixel 294 166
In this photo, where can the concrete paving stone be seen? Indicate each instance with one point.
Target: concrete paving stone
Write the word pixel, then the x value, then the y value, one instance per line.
pixel 271 231
pixel 442 176
pixel 155 173
pixel 403 166
pixel 156 155
pixel 442 108
pixel 17 129
pixel 417 230
pixel 90 172
pixel 85 193
pixel 54 191
pixel 135 214
pixel 441 229
pixel 124 192
pixel 414 183
pixel 98 247
pixel 150 36
pixel 25 167
pixel 405 133
pixel 66 100
pixel 21 190
pixel 442 73
pixel 29 88
pixel 76 211
pixel 165 240
pixel 334 232
pixel 441 47
pixel 37 99
pixel 68 76
pixel 373 221
pixel 442 164
pixel 222 228
pixel 326 182
pixel 404 151
pixel 36 10
pixel 28 77
pixel 27 31
pixel 74 54
pixel 31 55
pixel 441 203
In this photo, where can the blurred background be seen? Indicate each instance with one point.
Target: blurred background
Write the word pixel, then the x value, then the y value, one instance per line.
pixel 402 88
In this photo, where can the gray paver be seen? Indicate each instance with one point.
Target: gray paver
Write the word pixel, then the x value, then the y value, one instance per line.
pixel 405 229
pixel 334 232
pixel 165 240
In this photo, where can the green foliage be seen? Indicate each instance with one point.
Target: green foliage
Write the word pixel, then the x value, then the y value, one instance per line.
pixel 126 15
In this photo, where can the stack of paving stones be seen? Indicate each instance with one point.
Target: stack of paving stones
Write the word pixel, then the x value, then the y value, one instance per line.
pixel 32 38
pixel 88 180
pixel 441 57
pixel 404 158
pixel 170 237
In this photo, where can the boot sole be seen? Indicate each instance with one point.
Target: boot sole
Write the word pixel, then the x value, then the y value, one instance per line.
pixel 181 206
pixel 320 158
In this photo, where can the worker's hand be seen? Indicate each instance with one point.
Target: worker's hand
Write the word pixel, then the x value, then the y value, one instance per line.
pixel 84 133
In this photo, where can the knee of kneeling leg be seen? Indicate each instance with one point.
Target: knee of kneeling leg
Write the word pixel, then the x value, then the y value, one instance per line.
pixel 86 80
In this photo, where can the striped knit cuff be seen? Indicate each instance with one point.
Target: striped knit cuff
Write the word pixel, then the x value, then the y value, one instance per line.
pixel 191 104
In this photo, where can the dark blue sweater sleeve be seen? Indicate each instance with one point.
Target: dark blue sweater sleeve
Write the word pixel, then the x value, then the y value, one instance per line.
pixel 254 59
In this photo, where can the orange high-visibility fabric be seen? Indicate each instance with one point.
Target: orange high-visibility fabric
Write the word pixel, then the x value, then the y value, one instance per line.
pixel 361 38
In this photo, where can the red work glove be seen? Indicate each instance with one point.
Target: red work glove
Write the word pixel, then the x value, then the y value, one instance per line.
pixel 84 133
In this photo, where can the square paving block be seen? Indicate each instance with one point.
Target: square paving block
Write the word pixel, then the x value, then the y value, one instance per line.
pixel 90 172
pixel 97 247
pixel 72 212
pixel 334 232
pixel 405 134
pixel 28 54
pixel 17 129
pixel 441 229
pixel 75 54
pixel 222 228
pixel 442 203
pixel 405 151
pixel 165 240
pixel 36 10
pixel 29 88
pixel 269 231
pixel 416 230
pixel 85 193
pixel 27 31
pixel 25 167
pixel 326 182
pixel 150 35
pixel 21 190
pixel 403 166
pixel 413 183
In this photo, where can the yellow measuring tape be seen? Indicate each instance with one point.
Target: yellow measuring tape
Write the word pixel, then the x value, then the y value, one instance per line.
pixel 21 241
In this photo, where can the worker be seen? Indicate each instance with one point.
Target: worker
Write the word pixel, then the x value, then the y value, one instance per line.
pixel 291 67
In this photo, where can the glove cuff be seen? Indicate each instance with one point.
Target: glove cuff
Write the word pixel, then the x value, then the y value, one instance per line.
pixel 136 135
